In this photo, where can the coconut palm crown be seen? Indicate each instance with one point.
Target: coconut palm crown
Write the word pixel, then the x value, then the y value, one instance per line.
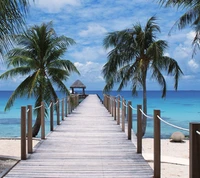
pixel 12 20
pixel 133 53
pixel 37 58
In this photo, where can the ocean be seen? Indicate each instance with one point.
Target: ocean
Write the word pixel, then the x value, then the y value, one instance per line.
pixel 178 108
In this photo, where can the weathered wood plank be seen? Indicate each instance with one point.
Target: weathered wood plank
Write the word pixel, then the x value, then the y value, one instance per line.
pixel 89 144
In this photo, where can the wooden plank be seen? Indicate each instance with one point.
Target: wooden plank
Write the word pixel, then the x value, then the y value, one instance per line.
pixel 89 144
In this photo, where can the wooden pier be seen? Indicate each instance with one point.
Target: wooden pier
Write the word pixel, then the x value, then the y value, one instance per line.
pixel 88 144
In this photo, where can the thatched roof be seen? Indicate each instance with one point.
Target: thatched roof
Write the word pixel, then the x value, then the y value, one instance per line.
pixel 77 84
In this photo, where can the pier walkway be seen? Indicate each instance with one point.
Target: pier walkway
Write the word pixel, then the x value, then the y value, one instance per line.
pixel 88 144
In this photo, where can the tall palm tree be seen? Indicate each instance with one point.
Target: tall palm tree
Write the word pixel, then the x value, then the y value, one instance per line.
pixel 37 58
pixel 12 20
pixel 134 52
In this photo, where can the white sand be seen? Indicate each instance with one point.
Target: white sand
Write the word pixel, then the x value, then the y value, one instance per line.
pixel 11 147
pixel 175 157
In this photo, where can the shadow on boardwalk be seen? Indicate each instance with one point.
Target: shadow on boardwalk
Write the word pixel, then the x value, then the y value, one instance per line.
pixel 87 144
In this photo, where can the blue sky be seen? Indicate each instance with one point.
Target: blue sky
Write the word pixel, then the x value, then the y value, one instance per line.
pixel 88 21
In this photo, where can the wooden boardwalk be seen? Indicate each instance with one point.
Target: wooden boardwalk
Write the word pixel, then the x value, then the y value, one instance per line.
pixel 88 144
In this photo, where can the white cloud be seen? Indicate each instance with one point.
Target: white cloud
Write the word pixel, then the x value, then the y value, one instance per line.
pixel 193 65
pixel 96 53
pixel 53 6
pixel 93 30
pixel 90 71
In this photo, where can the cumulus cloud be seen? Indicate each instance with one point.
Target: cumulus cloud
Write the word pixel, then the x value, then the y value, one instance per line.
pixel 53 6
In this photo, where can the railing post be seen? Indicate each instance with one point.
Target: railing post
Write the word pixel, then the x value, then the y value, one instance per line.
pixel 194 145
pixel 42 121
pixel 125 110
pixel 51 116
pixel 23 133
pixel 118 111
pixel 123 116
pixel 30 138
pixel 157 148
pixel 110 104
pixel 139 129
pixel 69 105
pixel 129 120
pixel 63 114
pixel 66 106
pixel 77 100
pixel 72 103
pixel 58 112
pixel 115 108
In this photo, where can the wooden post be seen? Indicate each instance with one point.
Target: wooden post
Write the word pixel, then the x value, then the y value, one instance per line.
pixel 23 133
pixel 63 114
pixel 139 129
pixel 123 116
pixel 194 170
pixel 110 104
pixel 66 106
pixel 118 111
pixel 115 108
pixel 42 121
pixel 58 112
pixel 129 120
pixel 104 100
pixel 51 116
pixel 69 105
pixel 157 164
pixel 77 100
pixel 125 109
pixel 30 138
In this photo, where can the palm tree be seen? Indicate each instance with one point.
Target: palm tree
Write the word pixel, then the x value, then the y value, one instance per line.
pixel 192 14
pixel 12 20
pixel 37 58
pixel 134 52
pixel 190 17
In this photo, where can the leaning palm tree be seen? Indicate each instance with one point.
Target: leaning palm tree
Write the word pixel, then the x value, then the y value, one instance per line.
pixel 134 52
pixel 12 20
pixel 37 58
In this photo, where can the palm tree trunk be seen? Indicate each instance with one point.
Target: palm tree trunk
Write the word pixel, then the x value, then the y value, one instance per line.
pixel 144 118
pixel 36 127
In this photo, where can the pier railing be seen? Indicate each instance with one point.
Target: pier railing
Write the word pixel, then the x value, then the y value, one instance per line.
pixel 115 104
pixel 63 107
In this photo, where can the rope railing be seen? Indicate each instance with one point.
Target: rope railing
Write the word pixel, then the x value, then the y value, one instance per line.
pixel 172 124
pixel 133 108
pixel 37 107
pixel 49 106
pixel 150 117
pixel 198 132
pixel 125 105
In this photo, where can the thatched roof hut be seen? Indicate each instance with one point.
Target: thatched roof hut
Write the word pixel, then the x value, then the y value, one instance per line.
pixel 78 84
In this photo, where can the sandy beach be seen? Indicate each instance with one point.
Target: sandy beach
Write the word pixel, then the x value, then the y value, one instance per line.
pixel 10 153
pixel 175 156
pixel 174 159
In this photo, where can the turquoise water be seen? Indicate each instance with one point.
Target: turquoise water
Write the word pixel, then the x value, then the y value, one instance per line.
pixel 178 108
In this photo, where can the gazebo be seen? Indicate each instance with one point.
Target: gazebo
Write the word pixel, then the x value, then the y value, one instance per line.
pixel 78 84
